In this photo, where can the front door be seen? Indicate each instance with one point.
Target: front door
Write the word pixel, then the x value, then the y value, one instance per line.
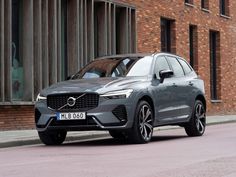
pixel 180 91
pixel 163 98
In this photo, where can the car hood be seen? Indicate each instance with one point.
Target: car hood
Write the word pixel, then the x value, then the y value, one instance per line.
pixel 99 85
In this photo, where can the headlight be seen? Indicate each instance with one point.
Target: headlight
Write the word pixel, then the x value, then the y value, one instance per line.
pixel 39 97
pixel 119 94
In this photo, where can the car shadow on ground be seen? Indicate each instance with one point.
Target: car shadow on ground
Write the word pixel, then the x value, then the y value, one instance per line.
pixel 109 141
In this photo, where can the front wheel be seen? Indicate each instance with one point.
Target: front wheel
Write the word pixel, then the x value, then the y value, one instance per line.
pixel 197 123
pixel 143 124
pixel 52 137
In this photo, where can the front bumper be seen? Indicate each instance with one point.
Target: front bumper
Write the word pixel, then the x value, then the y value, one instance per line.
pixel 110 114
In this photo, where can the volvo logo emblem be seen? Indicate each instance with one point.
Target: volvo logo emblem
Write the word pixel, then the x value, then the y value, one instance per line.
pixel 71 101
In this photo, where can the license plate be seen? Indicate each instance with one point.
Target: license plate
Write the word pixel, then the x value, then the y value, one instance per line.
pixel 71 116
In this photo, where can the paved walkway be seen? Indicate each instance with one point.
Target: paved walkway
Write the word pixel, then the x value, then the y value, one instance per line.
pixel 30 137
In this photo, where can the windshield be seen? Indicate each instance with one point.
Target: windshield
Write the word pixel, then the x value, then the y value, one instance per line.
pixel 118 67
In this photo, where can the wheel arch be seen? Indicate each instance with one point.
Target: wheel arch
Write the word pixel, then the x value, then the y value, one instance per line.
pixel 203 100
pixel 150 101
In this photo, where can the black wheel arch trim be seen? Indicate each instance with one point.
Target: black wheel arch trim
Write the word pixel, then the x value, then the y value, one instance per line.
pixel 202 98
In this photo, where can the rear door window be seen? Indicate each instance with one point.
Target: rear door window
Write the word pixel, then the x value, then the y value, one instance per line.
pixel 185 66
pixel 176 67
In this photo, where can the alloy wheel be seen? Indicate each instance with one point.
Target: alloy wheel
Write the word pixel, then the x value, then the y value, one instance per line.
pixel 146 122
pixel 200 118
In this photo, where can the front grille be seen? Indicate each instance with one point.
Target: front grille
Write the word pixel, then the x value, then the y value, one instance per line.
pixel 120 113
pixel 84 103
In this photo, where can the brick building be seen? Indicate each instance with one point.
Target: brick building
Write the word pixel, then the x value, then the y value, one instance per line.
pixel 44 41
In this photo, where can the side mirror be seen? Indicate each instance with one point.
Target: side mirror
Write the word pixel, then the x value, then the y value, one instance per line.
pixel 70 77
pixel 165 74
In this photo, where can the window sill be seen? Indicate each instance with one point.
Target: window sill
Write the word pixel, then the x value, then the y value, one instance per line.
pixel 216 101
pixel 205 10
pixel 225 16
pixel 17 103
pixel 189 5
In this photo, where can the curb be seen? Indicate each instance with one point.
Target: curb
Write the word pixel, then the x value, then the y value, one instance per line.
pixel 71 138
pixel 28 142
pixel 222 122
pixel 19 143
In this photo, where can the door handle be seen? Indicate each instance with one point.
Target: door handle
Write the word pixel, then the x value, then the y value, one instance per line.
pixel 190 83
pixel 174 85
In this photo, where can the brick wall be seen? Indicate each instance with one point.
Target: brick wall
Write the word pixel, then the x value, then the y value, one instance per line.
pixel 16 117
pixel 149 13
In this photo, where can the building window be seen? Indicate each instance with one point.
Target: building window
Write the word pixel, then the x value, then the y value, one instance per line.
pixel 1 50
pixel 64 67
pixel 99 29
pixel 224 7
pixel 215 65
pixel 193 46
pixel 45 41
pixel 168 35
pixel 121 27
pixel 205 4
pixel 17 61
pixel 114 29
pixel 189 1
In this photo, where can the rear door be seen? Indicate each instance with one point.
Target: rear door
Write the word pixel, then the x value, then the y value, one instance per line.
pixel 191 83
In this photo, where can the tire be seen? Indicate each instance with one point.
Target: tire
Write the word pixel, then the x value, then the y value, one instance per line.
pixel 197 123
pixel 142 129
pixel 117 134
pixel 52 137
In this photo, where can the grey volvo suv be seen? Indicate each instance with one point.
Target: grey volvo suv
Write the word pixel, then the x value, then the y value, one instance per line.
pixel 128 95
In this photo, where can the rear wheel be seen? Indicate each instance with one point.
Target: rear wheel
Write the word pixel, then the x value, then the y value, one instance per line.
pixel 197 124
pixel 52 137
pixel 143 124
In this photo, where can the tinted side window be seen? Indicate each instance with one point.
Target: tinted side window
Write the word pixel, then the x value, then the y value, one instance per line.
pixel 177 68
pixel 186 67
pixel 161 64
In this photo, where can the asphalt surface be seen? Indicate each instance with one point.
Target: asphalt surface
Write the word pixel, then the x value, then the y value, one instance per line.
pixel 30 137
pixel 170 154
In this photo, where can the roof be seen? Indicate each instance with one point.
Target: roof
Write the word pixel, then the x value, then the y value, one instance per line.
pixel 136 55
pixel 125 55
